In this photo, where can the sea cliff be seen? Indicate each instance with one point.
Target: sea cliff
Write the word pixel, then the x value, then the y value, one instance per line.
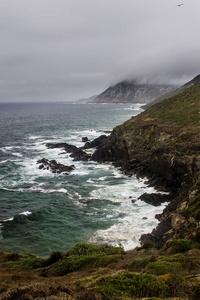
pixel 162 144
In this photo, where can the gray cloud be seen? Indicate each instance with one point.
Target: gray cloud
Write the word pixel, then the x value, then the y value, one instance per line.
pixel 68 49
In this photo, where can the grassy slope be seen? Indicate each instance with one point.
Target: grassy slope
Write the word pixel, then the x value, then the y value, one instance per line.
pixel 98 272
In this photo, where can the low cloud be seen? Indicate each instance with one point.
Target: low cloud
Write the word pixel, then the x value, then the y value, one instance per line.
pixel 66 50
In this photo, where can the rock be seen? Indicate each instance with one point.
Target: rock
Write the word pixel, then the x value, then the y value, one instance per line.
pixel 133 200
pixel 182 207
pixel 154 199
pixel 76 153
pixel 54 166
pixel 178 221
pixel 84 139
pixel 96 142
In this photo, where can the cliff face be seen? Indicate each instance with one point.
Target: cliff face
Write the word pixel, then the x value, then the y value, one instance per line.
pixel 163 143
pixel 131 92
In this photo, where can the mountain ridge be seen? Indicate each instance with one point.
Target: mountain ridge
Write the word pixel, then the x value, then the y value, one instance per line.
pixel 132 92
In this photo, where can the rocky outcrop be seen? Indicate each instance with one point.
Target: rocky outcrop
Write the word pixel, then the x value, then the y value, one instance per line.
pixel 162 144
pixel 54 167
pixel 76 153
pixel 96 142
pixel 155 199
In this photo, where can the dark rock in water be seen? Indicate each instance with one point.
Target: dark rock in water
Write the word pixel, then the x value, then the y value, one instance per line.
pixel 154 199
pixel 54 166
pixel 76 153
pixel 157 235
pixel 144 218
pixel 95 143
pixel 133 200
pixel 85 139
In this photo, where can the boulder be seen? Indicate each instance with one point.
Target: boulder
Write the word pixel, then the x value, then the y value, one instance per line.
pixel 154 198
pixel 84 139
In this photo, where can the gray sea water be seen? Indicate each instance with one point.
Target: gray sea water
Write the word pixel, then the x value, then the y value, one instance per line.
pixel 41 212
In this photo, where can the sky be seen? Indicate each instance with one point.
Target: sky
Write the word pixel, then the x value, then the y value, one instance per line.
pixel 64 50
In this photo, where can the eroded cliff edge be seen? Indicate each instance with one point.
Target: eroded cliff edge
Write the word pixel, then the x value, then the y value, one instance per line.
pixel 163 144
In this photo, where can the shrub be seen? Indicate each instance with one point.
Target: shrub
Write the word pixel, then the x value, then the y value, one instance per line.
pixel 27 261
pixel 138 264
pixel 128 284
pixel 181 245
pixel 163 267
pixel 91 249
pixel 54 257
pixel 77 262
pixel 177 285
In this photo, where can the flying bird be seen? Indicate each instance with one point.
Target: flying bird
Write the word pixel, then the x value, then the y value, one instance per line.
pixel 180 5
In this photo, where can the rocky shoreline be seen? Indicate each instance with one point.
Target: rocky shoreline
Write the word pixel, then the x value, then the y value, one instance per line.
pixel 161 144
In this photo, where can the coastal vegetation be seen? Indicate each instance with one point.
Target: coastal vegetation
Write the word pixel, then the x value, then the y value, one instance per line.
pixel 162 144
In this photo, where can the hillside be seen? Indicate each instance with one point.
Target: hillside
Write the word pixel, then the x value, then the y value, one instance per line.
pixel 175 92
pixel 131 92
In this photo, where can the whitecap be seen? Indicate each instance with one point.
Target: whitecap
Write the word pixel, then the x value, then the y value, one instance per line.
pixel 17 154
pixel 7 220
pixel 25 213
pixel 3 161
pixel 90 180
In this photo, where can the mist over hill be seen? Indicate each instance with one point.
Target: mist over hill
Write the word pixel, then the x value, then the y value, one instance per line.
pixel 175 92
pixel 132 92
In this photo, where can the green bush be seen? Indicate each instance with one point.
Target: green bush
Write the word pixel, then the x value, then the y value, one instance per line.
pixel 177 285
pixel 128 284
pixel 181 245
pixel 78 262
pixel 27 261
pixel 138 264
pixel 91 249
pixel 163 267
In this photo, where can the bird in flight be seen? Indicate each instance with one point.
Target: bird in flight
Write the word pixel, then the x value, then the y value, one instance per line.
pixel 180 5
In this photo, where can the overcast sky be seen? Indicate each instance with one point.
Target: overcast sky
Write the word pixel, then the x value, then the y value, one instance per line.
pixel 62 50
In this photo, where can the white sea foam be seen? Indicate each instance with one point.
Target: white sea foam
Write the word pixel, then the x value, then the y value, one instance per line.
pixel 4 161
pixel 25 213
pixel 7 220
pixel 34 137
pixel 128 229
pixel 17 154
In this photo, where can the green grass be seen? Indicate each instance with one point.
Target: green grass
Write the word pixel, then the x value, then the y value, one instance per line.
pixel 81 256
pixel 181 245
pixel 183 108
pixel 128 284
pixel 163 267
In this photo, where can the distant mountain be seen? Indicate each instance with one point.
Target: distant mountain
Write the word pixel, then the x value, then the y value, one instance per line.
pixel 131 92
pixel 86 100
pixel 175 92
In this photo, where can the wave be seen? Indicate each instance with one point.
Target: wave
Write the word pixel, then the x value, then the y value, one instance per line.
pixel 25 213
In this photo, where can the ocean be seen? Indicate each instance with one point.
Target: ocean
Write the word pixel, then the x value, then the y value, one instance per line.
pixel 40 211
